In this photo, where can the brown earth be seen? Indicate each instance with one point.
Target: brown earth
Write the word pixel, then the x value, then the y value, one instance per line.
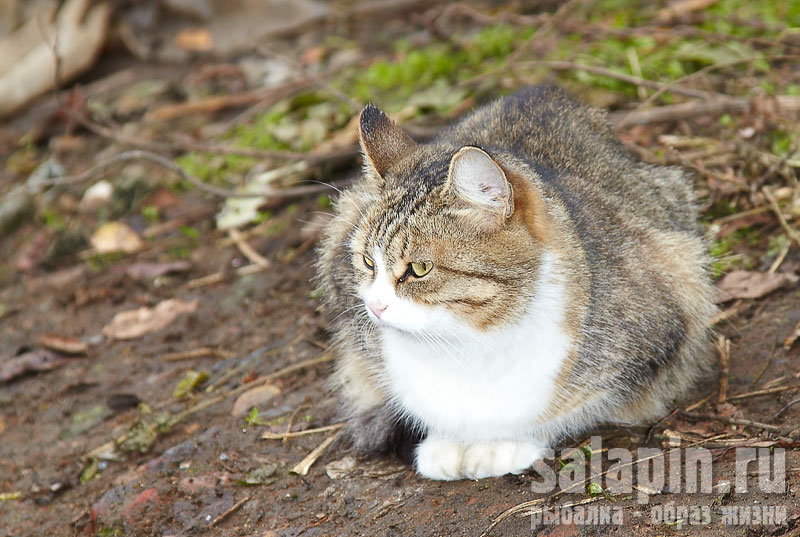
pixel 100 446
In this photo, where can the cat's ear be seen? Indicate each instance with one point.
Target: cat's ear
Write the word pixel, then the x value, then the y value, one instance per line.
pixel 477 179
pixel 382 141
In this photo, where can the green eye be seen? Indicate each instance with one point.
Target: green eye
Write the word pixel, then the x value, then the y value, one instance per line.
pixel 369 263
pixel 421 268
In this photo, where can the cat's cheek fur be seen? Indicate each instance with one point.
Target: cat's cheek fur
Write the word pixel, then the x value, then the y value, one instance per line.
pixel 448 460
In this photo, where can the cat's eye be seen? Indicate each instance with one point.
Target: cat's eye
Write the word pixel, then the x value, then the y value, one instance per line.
pixel 420 268
pixel 369 263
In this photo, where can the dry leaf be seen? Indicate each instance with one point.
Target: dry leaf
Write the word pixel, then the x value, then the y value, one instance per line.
pixel 253 397
pixel 341 468
pixel 132 324
pixel 749 284
pixel 115 237
pixel 67 345
pixel 36 360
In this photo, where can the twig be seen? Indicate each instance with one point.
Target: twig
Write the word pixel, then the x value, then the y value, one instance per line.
pixel 701 402
pixel 669 86
pixel 768 391
pixel 248 251
pixel 727 314
pixel 789 405
pixel 682 7
pixel 138 154
pixel 724 349
pixel 773 268
pixel 302 467
pixel 220 102
pixel 217 277
pixel 736 216
pixel 281 436
pixel 634 80
pixel 676 112
pixel 766 364
pixel 719 105
pixel 228 512
pixel 734 421
pixel 290 421
pixel 246 363
pixel 300 250
pixel 791 233
pixel 180 141
pixel 201 352
pixel 282 372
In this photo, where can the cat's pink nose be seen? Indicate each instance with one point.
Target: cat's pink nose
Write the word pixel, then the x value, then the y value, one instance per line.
pixel 377 307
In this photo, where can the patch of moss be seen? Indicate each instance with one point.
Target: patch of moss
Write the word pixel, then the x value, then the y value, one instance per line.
pixel 392 81
pixel 722 17
pixel 783 143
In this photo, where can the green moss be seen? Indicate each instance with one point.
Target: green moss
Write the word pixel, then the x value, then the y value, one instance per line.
pixel 151 214
pixel 53 220
pixel 783 143
pixel 722 17
pixel 411 70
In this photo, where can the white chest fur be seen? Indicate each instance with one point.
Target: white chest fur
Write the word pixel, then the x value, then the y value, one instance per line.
pixel 471 386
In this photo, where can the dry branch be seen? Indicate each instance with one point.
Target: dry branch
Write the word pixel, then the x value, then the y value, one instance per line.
pixel 726 419
pixel 724 350
pixel 634 80
pixel 220 102
pixel 302 467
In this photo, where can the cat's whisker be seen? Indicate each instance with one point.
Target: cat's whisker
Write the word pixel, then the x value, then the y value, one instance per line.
pixel 351 308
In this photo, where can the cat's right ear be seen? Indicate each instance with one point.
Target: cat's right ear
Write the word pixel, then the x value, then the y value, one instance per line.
pixel 476 179
pixel 382 140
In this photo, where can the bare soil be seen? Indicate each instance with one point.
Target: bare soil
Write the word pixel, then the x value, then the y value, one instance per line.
pixel 207 472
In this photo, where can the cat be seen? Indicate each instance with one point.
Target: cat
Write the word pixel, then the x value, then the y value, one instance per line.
pixel 517 279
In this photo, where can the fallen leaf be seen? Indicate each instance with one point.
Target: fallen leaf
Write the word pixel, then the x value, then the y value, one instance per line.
pixel 750 284
pixel 253 397
pixel 63 344
pixel 149 271
pixel 115 237
pixel 263 475
pixel 132 324
pixel 791 338
pixel 36 360
pixel 341 468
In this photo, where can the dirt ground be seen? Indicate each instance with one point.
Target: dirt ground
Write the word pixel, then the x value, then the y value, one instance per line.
pixel 96 442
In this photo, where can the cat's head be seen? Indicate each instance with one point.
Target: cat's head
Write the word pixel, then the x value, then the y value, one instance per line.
pixel 439 242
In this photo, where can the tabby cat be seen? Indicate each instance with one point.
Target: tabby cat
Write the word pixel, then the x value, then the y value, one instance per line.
pixel 519 278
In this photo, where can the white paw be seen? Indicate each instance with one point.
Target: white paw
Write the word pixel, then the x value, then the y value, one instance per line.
pixel 499 458
pixel 442 459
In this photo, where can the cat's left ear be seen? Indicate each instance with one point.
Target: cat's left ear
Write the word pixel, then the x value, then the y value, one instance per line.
pixel 476 178
pixel 382 140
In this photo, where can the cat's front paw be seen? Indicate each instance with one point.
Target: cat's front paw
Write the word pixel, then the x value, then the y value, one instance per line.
pixel 439 458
